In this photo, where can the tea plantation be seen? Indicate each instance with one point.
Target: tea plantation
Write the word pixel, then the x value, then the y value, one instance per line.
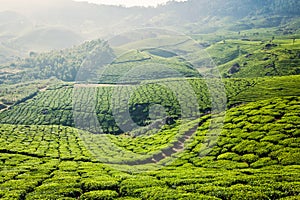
pixel 255 156
pixel 204 104
pixel 58 106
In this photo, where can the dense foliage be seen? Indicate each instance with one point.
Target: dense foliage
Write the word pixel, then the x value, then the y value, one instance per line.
pixel 46 108
pixel 63 64
pixel 257 153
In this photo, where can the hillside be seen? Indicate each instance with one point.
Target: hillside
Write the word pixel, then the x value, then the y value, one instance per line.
pixel 43 39
pixel 46 109
pixel 74 65
pixel 189 100
pixel 89 21
pixel 259 156
pixel 243 54
pixel 62 64
pixel 257 58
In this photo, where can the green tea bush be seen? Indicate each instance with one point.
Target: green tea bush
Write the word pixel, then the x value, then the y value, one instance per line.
pixel 99 184
pixel 250 196
pixel 70 192
pixel 100 195
pixel 129 186
pixel 274 138
pixel 249 158
pixel 262 162
pixel 229 156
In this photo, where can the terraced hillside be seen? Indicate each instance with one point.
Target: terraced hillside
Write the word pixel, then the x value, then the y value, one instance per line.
pixel 257 154
pixel 59 106
pixel 204 104
pixel 252 53
pixel 101 62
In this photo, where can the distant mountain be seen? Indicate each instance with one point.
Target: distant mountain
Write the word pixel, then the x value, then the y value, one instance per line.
pixel 30 25
pixel 50 37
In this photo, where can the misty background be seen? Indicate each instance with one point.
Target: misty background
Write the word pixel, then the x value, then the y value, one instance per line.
pixel 48 25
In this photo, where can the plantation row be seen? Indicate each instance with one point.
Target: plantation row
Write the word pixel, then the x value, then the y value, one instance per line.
pixel 255 135
pixel 118 109
pixel 256 154
pixel 43 141
pixel 136 66
pixel 114 107
pixel 153 147
pixel 25 177
pixel 14 94
pixel 67 143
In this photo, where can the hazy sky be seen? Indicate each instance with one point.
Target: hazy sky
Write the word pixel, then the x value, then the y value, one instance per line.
pixel 129 3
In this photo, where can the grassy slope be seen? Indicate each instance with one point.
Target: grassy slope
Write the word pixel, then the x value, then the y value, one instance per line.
pixel 136 66
pixel 255 59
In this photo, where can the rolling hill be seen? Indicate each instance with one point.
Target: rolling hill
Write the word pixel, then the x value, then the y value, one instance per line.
pixel 204 104
pixel 90 21
pixel 258 156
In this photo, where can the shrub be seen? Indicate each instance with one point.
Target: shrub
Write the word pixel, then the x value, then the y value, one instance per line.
pixel 229 156
pixel 262 162
pixel 217 191
pixel 290 189
pixel 290 158
pixel 128 186
pixel 255 135
pixel 227 164
pixel 274 138
pixel 171 194
pixel 70 192
pixel 249 158
pixel 250 196
pixel 261 119
pixel 291 142
pixel 98 184
pixel 100 195
pixel 246 146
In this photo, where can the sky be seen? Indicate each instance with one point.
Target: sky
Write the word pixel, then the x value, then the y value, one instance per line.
pixel 129 3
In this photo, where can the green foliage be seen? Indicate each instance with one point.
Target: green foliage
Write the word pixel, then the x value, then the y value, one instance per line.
pixel 255 156
pixel 46 109
pixel 100 195
pixel 228 156
pixel 63 65
pixel 106 183
pixel 246 143
pixel 256 57
pixel 249 158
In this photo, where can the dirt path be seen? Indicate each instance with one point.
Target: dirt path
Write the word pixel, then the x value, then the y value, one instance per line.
pixel 175 148
pixel 4 109
pixel 99 85
pixel 43 89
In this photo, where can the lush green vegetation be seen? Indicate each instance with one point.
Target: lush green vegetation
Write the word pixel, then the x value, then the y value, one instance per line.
pixel 255 54
pixel 15 94
pixel 144 116
pixel 74 63
pixel 47 109
pixel 63 64
pixel 257 153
